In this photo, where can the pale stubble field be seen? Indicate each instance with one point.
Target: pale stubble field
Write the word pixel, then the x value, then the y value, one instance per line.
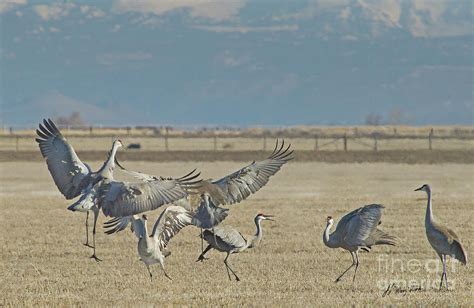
pixel 44 262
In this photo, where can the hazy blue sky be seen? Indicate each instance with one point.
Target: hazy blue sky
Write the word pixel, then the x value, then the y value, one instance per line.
pixel 237 62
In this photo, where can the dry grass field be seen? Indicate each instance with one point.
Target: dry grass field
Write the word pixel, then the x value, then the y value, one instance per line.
pixel 44 262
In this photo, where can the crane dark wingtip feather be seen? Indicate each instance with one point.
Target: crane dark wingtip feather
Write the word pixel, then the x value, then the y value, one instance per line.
pixel 112 221
pixel 49 129
pixel 287 156
pixel 281 146
pixel 41 134
pixel 278 153
pixel 276 146
pixel 45 122
pixel 189 177
pixel 43 129
pixel 53 126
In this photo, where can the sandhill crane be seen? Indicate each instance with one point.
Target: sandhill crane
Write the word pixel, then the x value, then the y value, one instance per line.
pixel 443 240
pixel 152 249
pixel 228 190
pixel 357 230
pixel 208 215
pixel 229 240
pixel 99 190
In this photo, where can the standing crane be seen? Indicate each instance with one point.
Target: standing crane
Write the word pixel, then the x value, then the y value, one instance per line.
pixel 99 190
pixel 443 239
pixel 357 230
pixel 152 249
pixel 228 190
pixel 229 240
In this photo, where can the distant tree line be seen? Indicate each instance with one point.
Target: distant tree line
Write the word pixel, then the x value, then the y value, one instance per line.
pixel 395 117
pixel 74 119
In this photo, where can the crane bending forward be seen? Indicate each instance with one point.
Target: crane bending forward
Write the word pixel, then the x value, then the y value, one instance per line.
pixel 357 230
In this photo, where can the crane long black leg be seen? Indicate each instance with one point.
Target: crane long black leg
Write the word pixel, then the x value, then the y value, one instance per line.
pixel 87 231
pixel 353 263
pixel 202 257
pixel 166 275
pixel 443 275
pixel 236 277
pixel 229 268
pixel 202 243
pixel 149 272
pixel 356 266
pixel 96 215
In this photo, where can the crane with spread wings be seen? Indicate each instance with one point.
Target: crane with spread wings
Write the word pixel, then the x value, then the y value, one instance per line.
pixel 98 189
pixel 152 248
pixel 228 190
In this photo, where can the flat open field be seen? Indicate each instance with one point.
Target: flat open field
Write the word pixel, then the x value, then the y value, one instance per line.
pixel 43 261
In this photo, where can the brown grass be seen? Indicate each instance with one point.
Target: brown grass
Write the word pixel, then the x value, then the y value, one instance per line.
pixel 44 263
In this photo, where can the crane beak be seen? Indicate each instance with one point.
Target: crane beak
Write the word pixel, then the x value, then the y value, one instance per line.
pixel 269 217
pixel 419 188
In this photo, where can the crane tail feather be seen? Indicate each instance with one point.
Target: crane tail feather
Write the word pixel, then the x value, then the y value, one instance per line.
pixel 383 238
pixel 458 252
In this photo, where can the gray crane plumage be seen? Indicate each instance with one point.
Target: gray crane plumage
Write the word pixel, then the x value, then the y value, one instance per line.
pixel 357 230
pixel 69 173
pixel 122 200
pixel 248 180
pixel 228 190
pixel 145 197
pixel 152 249
pixel 443 239
pixel 231 241
pixel 73 177
pixel 99 190
pixel 119 199
pixel 235 187
pixel 208 215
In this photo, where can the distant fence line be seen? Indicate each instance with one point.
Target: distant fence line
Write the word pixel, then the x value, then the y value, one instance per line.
pixel 385 132
pixel 320 142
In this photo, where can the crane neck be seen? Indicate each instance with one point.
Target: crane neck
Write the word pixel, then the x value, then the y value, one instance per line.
pixel 107 169
pixel 145 227
pixel 429 210
pixel 258 235
pixel 327 238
